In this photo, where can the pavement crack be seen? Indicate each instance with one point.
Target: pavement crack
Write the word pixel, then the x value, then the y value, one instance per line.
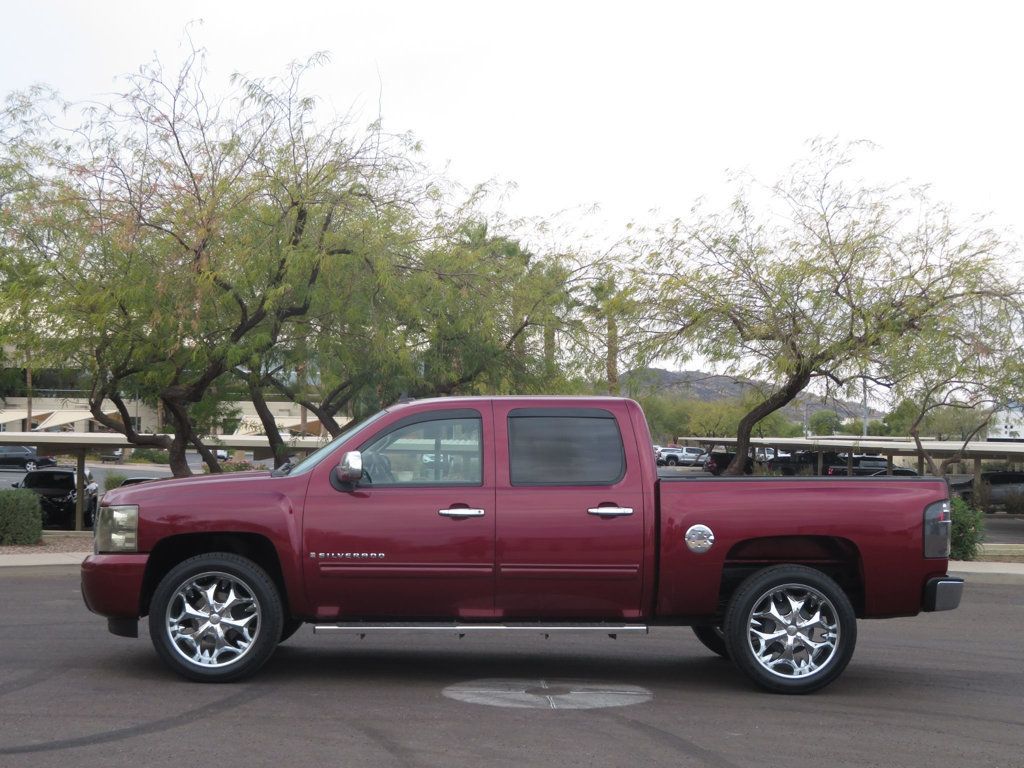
pixel 142 729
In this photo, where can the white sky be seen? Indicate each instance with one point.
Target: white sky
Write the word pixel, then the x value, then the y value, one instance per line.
pixel 633 106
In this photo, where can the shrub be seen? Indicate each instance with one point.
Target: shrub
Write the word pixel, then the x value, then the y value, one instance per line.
pixel 21 519
pixel 1013 503
pixel 968 530
pixel 981 496
pixel 234 466
pixel 151 455
pixel 113 480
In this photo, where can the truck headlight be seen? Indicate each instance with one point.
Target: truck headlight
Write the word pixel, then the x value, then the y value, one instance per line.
pixel 117 529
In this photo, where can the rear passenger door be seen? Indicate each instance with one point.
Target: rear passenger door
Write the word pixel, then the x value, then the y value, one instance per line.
pixel 569 527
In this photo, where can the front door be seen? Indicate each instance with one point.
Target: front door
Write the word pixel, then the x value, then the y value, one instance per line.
pixel 415 538
pixel 570 501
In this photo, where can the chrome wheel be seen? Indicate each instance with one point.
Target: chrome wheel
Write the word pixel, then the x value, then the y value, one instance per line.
pixel 30 466
pixel 213 619
pixel 793 631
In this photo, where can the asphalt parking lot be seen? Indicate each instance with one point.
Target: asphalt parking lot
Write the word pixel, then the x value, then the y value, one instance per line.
pixel 943 689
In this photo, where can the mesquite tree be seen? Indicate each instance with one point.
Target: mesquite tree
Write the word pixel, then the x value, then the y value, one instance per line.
pixel 814 278
pixel 181 234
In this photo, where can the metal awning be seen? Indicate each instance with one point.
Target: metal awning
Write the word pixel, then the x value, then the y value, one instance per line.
pixel 9 415
pixel 69 416
pixel 976 449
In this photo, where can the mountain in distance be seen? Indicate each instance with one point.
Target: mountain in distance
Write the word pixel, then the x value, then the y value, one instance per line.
pixel 701 385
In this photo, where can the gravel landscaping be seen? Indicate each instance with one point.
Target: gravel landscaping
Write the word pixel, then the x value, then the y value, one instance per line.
pixel 53 543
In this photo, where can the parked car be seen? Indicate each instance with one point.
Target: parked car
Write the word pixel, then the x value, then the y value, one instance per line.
pixel 136 480
pixel 23 457
pixel 684 457
pixel 564 526
pixel 805 462
pixel 57 489
pixel 869 470
pixel 768 454
pixel 717 463
pixel 1002 485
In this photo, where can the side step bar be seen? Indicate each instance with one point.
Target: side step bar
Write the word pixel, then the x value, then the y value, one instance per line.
pixel 362 629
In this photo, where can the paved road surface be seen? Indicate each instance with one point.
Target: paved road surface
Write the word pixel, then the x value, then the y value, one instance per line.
pixel 938 690
pixel 1004 529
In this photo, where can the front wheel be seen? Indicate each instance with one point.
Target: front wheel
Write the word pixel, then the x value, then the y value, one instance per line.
pixel 215 617
pixel 790 629
pixel 31 466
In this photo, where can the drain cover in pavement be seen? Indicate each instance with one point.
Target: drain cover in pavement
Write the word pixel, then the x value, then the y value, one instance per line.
pixel 547 694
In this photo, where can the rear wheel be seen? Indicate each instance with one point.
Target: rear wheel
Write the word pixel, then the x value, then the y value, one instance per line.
pixel 215 617
pixel 790 629
pixel 30 466
pixel 713 639
pixel 672 461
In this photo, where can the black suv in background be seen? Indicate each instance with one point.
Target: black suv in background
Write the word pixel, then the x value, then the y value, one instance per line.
pixel 57 495
pixel 23 457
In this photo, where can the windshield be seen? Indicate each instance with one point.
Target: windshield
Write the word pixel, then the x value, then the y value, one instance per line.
pixel 318 455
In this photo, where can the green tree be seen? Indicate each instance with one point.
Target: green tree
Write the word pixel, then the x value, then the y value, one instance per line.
pixel 825 423
pixel 831 274
pixel 179 236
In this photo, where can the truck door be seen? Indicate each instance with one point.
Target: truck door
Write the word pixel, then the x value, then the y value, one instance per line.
pixel 570 508
pixel 415 538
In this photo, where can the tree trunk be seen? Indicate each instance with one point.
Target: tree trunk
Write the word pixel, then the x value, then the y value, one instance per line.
pixel 28 399
pixel 181 439
pixel 612 361
pixel 277 445
pixel 778 399
pixel 549 352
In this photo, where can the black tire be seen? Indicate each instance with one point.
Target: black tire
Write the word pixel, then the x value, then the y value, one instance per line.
pixel 258 598
pixel 289 627
pixel 672 461
pixel 713 639
pixel 835 631
pixel 31 466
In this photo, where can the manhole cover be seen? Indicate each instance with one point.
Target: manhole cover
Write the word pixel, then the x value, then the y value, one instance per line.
pixel 547 694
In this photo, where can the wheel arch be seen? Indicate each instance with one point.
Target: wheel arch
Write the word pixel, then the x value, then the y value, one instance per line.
pixel 170 551
pixel 834 556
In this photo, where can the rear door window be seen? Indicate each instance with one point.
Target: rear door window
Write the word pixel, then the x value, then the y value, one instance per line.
pixel 568 447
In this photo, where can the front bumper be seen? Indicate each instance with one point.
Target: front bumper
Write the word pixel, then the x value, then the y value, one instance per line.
pixel 942 593
pixel 112 584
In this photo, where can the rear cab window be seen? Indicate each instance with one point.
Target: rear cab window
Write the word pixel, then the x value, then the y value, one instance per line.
pixel 564 446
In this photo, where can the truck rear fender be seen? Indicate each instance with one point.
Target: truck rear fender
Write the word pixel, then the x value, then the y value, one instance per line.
pixel 838 557
pixel 172 550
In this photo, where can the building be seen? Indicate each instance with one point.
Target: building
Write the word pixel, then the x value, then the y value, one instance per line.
pixel 70 414
pixel 1007 424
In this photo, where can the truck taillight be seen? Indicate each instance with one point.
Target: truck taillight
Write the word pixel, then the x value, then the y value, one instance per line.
pixel 938 523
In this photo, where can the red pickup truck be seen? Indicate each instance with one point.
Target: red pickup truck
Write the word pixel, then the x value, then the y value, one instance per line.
pixel 504 513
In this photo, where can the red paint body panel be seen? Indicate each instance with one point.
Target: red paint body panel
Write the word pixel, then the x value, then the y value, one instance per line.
pixel 433 567
pixel 554 560
pixel 881 518
pixel 535 553
pixel 237 502
pixel 111 584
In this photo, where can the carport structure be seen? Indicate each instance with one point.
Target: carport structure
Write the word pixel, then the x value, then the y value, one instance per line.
pixel 890 447
pixel 78 443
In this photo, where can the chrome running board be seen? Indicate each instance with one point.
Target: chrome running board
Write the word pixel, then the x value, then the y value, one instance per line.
pixel 461 630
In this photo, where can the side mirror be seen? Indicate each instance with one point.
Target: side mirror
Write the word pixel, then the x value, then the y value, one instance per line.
pixel 350 468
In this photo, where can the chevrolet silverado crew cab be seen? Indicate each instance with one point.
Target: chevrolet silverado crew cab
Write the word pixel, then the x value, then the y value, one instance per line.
pixel 489 514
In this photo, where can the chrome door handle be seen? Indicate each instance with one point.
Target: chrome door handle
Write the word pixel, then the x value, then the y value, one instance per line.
pixel 610 511
pixel 460 512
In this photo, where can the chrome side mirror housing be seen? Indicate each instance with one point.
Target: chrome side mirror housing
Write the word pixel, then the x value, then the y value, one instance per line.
pixel 350 468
